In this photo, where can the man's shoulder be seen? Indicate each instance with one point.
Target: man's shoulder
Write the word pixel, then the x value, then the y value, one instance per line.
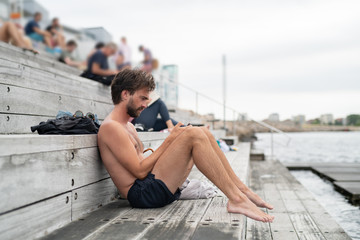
pixel 98 56
pixel 111 130
pixel 110 125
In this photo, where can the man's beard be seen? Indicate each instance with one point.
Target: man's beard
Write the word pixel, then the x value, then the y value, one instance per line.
pixel 132 111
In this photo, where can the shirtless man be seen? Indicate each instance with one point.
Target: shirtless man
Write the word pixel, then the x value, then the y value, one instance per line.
pixel 154 181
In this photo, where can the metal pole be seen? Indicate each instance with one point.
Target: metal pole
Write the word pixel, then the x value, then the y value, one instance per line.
pixel 234 130
pixel 224 89
pixel 272 145
pixel 197 102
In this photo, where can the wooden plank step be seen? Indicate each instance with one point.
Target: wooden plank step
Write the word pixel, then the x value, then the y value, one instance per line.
pixel 182 219
pixel 339 169
pixel 26 144
pixel 87 225
pixel 16 74
pixel 132 224
pixel 297 214
pixel 36 220
pixel 349 189
pixel 25 101
pixel 257 155
pixel 342 176
pixel 33 168
pixel 8 50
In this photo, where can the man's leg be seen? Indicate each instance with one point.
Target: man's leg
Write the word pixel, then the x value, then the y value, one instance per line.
pixel 250 194
pixel 9 31
pixel 193 147
pixel 47 40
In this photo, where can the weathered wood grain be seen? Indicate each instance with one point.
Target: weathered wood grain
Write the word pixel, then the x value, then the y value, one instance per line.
pixel 86 226
pixel 26 144
pixel 15 74
pixel 34 102
pixel 28 178
pixel 11 52
pixel 19 124
pixel 217 222
pixel 91 197
pixel 180 221
pixel 130 225
pixel 297 214
pixel 36 220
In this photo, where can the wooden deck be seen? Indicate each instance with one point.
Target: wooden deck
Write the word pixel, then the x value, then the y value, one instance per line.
pixel 344 176
pixel 184 219
pixel 297 214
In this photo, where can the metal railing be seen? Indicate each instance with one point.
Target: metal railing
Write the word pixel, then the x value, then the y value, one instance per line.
pixel 235 112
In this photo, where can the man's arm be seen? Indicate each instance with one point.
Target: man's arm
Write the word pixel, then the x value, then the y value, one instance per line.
pixel 41 32
pixel 72 63
pixel 119 143
pixel 95 68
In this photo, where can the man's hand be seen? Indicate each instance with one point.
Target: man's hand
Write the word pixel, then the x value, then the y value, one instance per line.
pixel 177 130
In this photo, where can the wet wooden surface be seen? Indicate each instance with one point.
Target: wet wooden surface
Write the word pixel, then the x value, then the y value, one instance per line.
pixel 344 176
pixel 297 214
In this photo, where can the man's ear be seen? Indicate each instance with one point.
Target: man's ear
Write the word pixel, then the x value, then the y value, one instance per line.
pixel 125 94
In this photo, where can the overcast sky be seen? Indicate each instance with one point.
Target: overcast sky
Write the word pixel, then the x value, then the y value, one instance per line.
pixel 290 57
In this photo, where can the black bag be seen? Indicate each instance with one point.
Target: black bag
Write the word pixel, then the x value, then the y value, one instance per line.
pixel 67 125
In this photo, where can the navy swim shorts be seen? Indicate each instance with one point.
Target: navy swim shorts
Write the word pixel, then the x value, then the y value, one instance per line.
pixel 150 193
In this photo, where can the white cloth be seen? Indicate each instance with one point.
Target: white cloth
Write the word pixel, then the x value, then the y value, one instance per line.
pixel 126 51
pixel 223 146
pixel 196 189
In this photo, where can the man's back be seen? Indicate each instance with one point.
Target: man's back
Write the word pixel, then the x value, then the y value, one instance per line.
pixel 122 178
pixel 29 28
pixel 99 58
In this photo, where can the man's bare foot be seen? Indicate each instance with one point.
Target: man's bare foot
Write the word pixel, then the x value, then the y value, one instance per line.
pixel 256 199
pixel 247 208
pixel 30 50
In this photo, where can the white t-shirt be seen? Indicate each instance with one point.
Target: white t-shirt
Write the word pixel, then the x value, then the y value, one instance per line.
pixel 126 51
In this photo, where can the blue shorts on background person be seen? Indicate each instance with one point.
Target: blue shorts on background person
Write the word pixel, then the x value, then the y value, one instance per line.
pixel 36 37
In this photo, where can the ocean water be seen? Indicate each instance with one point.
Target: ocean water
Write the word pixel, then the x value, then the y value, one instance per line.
pixel 320 147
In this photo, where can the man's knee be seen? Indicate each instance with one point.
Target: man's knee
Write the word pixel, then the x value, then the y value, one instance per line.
pixel 195 133
pixel 207 132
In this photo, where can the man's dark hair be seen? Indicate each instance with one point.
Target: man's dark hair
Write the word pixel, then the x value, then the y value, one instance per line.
pixel 55 19
pixel 71 43
pixel 99 45
pixel 130 80
pixel 37 14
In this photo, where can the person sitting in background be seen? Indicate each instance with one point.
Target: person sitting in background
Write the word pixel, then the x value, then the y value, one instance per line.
pixel 147 67
pixel 148 117
pixel 98 67
pixel 55 29
pixel 123 59
pixel 66 55
pixel 11 33
pixel 97 47
pixel 33 31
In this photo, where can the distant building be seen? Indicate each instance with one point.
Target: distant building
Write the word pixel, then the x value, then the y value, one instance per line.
pixel 340 121
pixel 167 85
pixel 274 117
pixel 327 119
pixel 299 119
pixel 99 34
pixel 86 38
pixel 23 11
